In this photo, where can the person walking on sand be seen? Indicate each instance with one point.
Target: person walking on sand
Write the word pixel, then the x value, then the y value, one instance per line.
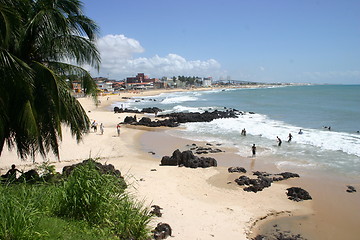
pixel 118 129
pixel 290 137
pixel 279 141
pixel 101 129
pixel 253 149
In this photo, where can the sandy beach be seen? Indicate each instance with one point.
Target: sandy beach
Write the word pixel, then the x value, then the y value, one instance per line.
pixel 205 203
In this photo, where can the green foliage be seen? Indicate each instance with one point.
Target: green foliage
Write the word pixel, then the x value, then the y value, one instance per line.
pixel 131 219
pixel 18 212
pixel 50 227
pixel 86 205
pixel 36 37
pixel 88 195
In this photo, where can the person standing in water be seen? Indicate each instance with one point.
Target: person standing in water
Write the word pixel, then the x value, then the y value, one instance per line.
pixel 253 149
pixel 290 137
pixel 279 141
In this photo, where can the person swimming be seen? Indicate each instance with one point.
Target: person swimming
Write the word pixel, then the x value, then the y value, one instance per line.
pixel 300 132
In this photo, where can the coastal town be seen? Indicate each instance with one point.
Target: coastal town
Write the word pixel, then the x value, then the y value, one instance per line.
pixel 144 82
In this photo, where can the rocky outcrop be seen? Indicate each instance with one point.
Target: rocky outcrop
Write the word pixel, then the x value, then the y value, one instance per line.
pixel 187 159
pixel 102 168
pixel 174 119
pixel 154 110
pixel 262 181
pixel 201 117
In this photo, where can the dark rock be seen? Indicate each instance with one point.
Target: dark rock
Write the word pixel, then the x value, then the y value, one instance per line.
pixel 351 189
pixel 102 168
pixel 298 194
pixel 151 110
pixel 30 176
pixel 187 159
pixel 216 150
pixel 258 184
pixel 255 185
pixel 162 231
pixel 243 180
pixel 236 169
pixel 129 119
pixel 156 210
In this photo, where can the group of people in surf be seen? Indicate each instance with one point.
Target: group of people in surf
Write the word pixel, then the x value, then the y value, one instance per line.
pixel 253 148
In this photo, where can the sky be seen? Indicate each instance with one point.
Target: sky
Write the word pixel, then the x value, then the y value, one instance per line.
pixel 300 41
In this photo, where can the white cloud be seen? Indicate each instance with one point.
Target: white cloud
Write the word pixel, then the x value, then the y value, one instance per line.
pixel 118 61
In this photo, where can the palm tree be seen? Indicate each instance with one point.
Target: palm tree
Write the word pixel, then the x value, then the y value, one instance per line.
pixel 41 43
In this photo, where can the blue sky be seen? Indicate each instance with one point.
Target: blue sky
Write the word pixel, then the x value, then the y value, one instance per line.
pixel 315 41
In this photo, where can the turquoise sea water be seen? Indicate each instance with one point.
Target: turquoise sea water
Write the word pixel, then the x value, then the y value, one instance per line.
pixel 278 112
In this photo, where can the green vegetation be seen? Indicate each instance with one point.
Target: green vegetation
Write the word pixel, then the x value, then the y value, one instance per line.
pixel 38 39
pixel 85 205
pixel 189 81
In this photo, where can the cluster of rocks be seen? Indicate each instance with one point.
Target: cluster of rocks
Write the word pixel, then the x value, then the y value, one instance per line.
pixel 204 150
pixel 262 181
pixel 162 230
pixel 32 176
pixel 187 159
pixel 201 117
pixel 174 119
pixel 102 168
pixel 145 121
pixel 154 110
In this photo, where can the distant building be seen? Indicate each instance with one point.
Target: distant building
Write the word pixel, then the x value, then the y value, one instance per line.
pixel 141 81
pixel 207 82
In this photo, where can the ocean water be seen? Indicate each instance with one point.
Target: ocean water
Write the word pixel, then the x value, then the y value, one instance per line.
pixel 278 111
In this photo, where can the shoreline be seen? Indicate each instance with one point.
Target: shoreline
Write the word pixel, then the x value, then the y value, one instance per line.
pixel 331 204
pixel 199 203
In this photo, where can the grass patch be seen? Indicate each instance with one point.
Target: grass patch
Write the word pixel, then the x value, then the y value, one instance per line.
pixel 85 205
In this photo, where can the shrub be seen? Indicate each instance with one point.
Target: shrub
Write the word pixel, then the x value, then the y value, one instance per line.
pixel 88 195
pixel 18 212
pixel 131 219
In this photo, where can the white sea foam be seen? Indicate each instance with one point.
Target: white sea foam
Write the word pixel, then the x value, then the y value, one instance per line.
pixel 178 99
pixel 261 126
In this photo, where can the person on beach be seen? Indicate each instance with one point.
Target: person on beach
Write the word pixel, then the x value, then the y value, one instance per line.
pixel 11 174
pixel 243 132
pixel 101 129
pixel 253 149
pixel 279 141
pixel 118 129
pixel 290 137
pixel 135 118
pixel 94 126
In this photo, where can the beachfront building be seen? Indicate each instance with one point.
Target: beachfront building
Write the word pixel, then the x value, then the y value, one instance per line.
pixel 104 85
pixel 207 82
pixel 141 81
